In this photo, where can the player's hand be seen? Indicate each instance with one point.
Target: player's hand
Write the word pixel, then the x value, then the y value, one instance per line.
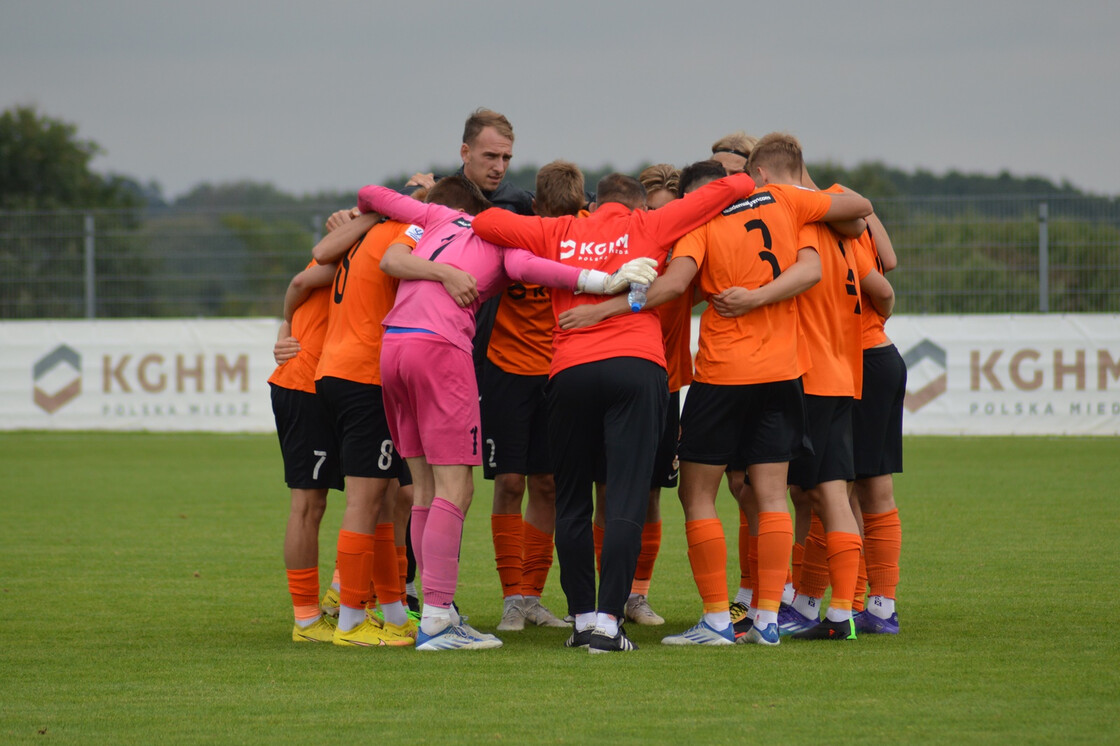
pixel 734 301
pixel 577 317
pixel 642 270
pixel 461 286
pixel 422 180
pixel 285 349
pixel 341 217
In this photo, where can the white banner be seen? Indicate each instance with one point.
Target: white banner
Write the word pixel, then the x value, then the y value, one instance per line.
pixel 975 375
pixel 171 375
pixel 1008 375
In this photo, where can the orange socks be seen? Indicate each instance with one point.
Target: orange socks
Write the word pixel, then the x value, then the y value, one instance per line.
pixel 651 545
pixel 814 562
pixel 883 543
pixel 537 560
pixel 506 528
pixel 775 542
pixel 843 568
pixel 386 568
pixel 402 570
pixel 355 568
pixel 795 564
pixel 304 587
pixel 707 553
pixel 861 584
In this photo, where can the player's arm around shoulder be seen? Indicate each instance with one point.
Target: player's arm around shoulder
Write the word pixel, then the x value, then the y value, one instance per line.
pixel 846 206
pixel 683 215
pixel 399 261
pixel 879 291
pixel 676 279
pixel 504 228
pixel 303 284
pixel 796 279
pixel 342 237
pixel 405 209
pixel 882 243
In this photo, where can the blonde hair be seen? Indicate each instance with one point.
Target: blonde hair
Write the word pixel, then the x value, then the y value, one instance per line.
pixel 559 190
pixel 739 143
pixel 482 118
pixel 660 176
pixel 778 151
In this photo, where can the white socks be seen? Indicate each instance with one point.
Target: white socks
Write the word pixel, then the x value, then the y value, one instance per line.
pixel 720 620
pixel 349 617
pixel 807 606
pixel 880 606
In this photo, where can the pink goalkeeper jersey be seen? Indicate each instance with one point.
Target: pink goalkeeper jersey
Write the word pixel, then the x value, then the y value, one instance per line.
pixel 448 239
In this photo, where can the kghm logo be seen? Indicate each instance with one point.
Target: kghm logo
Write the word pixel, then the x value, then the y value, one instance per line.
pixel 926 365
pixel 58 378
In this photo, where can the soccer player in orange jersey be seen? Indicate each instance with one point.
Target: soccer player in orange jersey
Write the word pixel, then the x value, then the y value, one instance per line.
pixel 308 446
pixel 515 423
pixel 746 396
pixel 830 312
pixel 877 439
pixel 348 378
pixel 732 151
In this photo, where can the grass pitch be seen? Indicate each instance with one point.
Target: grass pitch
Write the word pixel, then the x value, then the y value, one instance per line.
pixel 142 599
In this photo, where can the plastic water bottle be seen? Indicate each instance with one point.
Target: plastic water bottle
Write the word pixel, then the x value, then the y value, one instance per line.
pixel 637 296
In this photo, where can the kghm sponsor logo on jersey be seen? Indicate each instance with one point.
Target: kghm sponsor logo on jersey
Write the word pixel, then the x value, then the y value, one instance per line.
pixel 592 251
pixel 750 203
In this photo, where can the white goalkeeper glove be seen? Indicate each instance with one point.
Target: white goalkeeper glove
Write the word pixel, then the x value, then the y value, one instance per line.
pixel 642 270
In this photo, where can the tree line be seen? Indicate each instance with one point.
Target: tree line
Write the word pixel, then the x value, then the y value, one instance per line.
pixel 970 240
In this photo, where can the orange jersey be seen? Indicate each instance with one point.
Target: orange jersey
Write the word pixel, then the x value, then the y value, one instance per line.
pixel 830 314
pixel 360 296
pixel 749 245
pixel 605 240
pixel 309 326
pixel 874 323
pixel 521 342
pixel 676 331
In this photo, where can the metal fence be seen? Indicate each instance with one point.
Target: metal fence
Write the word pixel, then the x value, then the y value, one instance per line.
pixel 956 255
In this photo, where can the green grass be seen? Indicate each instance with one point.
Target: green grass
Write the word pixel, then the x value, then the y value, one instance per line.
pixel 142 598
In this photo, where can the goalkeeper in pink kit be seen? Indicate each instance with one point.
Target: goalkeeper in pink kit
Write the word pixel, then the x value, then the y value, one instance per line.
pixel 428 380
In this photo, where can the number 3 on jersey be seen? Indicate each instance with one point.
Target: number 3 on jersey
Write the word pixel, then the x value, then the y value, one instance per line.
pixel 767 255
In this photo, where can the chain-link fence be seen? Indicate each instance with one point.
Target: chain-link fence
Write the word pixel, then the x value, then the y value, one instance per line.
pixel 956 255
pixel 1004 255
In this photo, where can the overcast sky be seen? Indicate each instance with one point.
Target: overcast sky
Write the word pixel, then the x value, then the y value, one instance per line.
pixel 335 94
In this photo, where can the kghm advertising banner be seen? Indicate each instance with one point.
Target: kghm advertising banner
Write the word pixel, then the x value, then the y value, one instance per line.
pixel 172 375
pixel 1018 375
pixel 1041 374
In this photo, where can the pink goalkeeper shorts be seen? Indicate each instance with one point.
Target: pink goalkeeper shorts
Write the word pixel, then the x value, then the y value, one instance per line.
pixel 431 399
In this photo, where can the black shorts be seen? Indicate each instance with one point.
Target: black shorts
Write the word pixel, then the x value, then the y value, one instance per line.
pixel 757 423
pixel 358 413
pixel 829 420
pixel 307 441
pixel 514 423
pixel 877 417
